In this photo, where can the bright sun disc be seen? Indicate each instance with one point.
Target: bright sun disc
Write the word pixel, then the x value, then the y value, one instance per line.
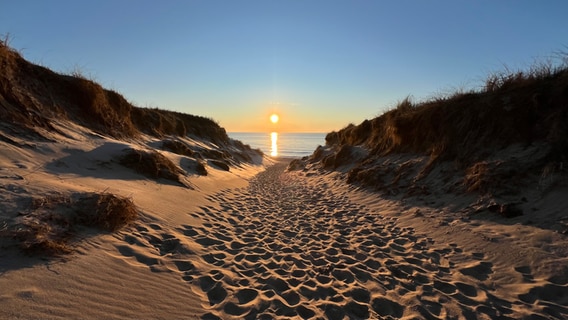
pixel 274 118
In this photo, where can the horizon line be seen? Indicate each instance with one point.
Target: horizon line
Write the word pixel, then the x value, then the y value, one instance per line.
pixel 314 132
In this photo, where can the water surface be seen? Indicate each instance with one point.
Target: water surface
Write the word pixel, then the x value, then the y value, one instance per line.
pixel 284 144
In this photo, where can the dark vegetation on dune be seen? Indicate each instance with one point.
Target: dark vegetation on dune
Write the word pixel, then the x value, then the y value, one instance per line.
pixel 150 163
pixel 34 101
pixel 50 224
pixel 33 97
pixel 493 141
pixel 465 127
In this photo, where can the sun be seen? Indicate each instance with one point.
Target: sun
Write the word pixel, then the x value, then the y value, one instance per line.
pixel 274 118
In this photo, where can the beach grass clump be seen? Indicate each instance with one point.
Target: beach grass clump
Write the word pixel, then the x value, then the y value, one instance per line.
pixel 47 235
pixel 52 222
pixel 220 164
pixel 106 211
pixel 45 229
pixel 151 164
pixel 196 166
pixel 200 168
pixel 177 147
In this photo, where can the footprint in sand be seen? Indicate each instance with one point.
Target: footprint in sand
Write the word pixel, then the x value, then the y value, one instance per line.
pixel 479 271
pixel 129 251
pixel 386 307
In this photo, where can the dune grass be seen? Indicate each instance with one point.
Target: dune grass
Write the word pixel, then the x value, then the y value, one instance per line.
pixel 51 224
pixel 464 135
pixel 151 164
pixel 513 107
pixel 177 147
pixel 33 96
pixel 111 212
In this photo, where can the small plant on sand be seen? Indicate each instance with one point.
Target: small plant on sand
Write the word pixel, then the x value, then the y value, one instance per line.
pixel 46 236
pixel 45 229
pixel 106 211
pixel 151 164
pixel 178 147
pixel 50 225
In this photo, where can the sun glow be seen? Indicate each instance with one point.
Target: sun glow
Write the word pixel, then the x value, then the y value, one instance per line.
pixel 274 118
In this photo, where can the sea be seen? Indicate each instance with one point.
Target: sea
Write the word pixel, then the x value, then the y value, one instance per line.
pixel 284 144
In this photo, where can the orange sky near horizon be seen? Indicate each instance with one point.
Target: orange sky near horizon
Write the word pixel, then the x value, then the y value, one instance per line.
pixel 290 120
pixel 263 124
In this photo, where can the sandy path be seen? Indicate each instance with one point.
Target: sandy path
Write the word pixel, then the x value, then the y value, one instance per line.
pixel 284 247
pixel 290 245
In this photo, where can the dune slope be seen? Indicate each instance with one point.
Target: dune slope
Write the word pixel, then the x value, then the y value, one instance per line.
pixel 81 170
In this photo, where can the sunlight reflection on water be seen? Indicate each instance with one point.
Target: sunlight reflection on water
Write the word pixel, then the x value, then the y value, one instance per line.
pixel 274 144
pixel 282 144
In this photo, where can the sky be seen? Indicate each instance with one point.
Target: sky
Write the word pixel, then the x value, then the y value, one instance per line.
pixel 320 65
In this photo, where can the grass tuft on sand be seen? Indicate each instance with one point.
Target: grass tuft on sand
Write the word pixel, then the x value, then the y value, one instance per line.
pixel 49 226
pixel 151 164
pixel 469 131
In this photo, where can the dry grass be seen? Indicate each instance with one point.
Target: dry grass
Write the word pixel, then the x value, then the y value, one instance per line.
pixel 509 78
pixel 178 147
pixel 46 237
pixel 524 108
pixel 515 108
pixel 32 96
pixel 200 168
pixel 151 164
pixel 105 111
pixel 160 123
pixel 477 177
pixel 107 211
pixel 50 225
pixel 220 164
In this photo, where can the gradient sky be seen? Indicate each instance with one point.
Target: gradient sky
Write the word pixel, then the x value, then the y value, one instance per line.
pixel 320 64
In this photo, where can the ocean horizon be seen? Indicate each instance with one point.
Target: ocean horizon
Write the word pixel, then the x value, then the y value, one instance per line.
pixel 282 144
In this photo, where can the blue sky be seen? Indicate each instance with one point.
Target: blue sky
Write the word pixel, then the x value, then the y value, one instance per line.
pixel 320 64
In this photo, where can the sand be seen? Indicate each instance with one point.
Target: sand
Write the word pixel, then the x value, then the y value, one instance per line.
pixel 259 242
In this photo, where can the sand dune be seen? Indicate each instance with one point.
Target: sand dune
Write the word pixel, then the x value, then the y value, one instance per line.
pixel 103 276
pixel 260 242
pixel 263 244
pixel 282 245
